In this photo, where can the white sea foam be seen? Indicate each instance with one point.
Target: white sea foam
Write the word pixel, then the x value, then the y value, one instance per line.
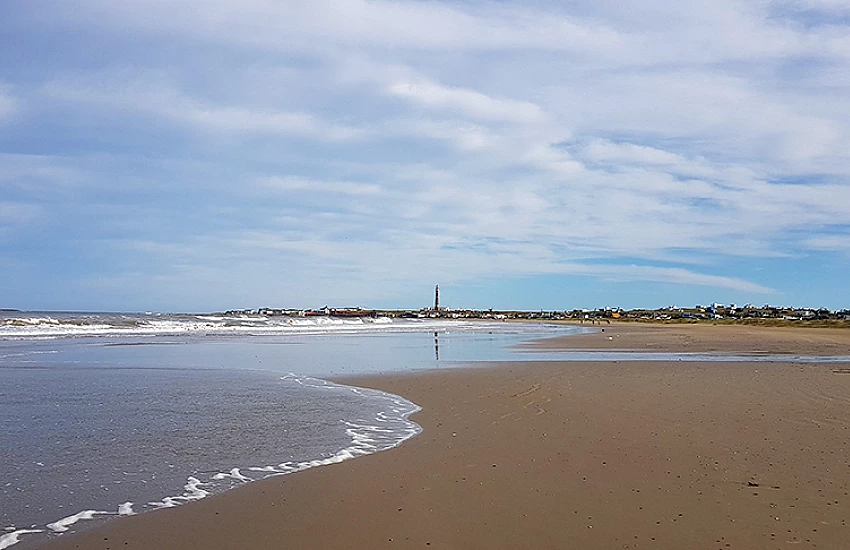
pixel 70 325
pixel 191 491
pixel 14 537
pixel 233 474
pixel 65 523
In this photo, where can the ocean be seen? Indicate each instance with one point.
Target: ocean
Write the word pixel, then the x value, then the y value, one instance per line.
pixel 105 414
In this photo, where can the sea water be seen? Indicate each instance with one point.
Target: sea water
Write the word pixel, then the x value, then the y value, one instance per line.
pixel 109 414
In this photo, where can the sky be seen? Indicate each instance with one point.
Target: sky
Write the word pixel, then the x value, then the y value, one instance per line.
pixel 203 155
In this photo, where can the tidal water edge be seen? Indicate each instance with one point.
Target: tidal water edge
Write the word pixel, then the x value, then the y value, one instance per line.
pixel 105 414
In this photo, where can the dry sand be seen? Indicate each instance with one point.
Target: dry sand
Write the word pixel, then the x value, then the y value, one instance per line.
pixel 671 455
pixel 702 338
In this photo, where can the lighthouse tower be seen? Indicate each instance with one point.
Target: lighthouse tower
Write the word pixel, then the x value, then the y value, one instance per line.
pixel 437 298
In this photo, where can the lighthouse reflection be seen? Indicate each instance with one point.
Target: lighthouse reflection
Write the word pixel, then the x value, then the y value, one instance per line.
pixel 437 346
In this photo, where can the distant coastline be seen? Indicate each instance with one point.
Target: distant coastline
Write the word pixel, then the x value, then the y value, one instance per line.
pixel 750 315
pixel 715 314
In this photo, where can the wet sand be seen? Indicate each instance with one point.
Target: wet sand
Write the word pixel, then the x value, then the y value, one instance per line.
pixel 566 455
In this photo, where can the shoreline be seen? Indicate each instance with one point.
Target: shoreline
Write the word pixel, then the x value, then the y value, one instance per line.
pixel 563 454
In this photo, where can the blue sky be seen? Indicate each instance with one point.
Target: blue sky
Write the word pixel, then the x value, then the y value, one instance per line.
pixel 189 155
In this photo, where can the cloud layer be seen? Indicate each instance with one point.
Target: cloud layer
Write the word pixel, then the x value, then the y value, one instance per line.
pixel 221 153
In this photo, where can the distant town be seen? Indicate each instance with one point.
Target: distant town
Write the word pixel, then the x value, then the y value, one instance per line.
pixel 712 312
pixel 715 312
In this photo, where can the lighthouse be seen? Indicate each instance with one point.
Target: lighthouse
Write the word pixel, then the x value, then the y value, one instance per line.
pixel 437 298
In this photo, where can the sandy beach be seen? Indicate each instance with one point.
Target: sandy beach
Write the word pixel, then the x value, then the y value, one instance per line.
pixel 706 338
pixel 584 455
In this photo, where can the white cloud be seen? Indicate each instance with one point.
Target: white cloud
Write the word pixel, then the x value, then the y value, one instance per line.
pixel 298 184
pixel 829 242
pixel 15 213
pixel 465 136
pixel 599 150
pixel 469 102
pixel 9 104
pixel 681 276
pixel 236 119
pixel 356 23
pixel 605 34
pixel 374 267
pixel 148 95
pixel 833 6
pixel 716 114
pixel 39 172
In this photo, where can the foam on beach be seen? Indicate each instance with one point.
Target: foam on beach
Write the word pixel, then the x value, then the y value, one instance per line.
pixel 389 428
pixel 14 537
pixel 191 491
pixel 65 523
pixel 70 325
